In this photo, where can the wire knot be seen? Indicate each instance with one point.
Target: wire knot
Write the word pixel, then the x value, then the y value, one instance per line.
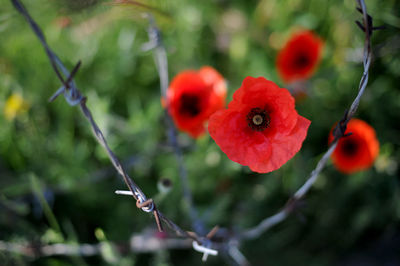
pixel 71 93
pixel 143 203
pixel 341 127
pixel 146 205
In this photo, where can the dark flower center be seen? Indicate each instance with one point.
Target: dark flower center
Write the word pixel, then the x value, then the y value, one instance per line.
pixel 190 105
pixel 350 147
pixel 258 119
pixel 301 61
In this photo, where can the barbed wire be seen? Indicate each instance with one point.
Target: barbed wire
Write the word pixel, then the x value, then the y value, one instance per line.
pixel 160 58
pixel 230 244
pixel 74 97
pixel 339 132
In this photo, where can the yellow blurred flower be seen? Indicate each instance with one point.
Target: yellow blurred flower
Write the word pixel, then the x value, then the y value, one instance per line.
pixel 15 105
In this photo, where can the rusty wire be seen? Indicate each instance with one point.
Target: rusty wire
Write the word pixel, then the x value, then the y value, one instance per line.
pixel 339 132
pixel 74 97
pixel 160 58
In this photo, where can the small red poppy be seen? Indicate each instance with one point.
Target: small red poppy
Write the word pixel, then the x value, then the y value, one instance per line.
pixel 300 56
pixel 193 96
pixel 357 151
pixel 260 128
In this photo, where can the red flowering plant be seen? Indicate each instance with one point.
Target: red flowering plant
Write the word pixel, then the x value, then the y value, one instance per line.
pixel 357 151
pixel 300 56
pixel 261 128
pixel 193 96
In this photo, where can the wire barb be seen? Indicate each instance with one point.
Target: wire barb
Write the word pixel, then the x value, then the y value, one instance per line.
pixel 146 205
pixel 124 192
pixel 339 132
pixel 205 250
pixel 212 233
pixel 160 58
pixel 201 244
pixel 74 97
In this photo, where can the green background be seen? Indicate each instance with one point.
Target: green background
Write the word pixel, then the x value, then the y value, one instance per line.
pixel 57 184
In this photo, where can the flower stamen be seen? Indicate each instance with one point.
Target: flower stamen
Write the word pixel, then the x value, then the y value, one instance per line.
pixel 258 119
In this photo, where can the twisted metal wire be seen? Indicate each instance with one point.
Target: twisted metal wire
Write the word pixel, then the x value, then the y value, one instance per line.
pixel 160 58
pixel 338 133
pixel 74 97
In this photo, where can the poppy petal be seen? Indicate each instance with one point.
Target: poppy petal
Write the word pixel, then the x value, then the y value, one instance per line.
pixel 300 56
pixel 193 96
pixel 261 128
pixel 228 128
pixel 358 151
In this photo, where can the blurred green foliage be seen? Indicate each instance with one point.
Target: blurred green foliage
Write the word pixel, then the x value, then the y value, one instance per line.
pixel 57 184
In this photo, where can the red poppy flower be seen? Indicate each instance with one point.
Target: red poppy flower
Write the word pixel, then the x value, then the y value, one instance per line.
pixel 193 96
pixel 357 151
pixel 260 128
pixel 299 57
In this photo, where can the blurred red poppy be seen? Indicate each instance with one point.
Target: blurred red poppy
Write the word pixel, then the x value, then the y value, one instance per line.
pixel 260 128
pixel 193 96
pixel 357 151
pixel 299 57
